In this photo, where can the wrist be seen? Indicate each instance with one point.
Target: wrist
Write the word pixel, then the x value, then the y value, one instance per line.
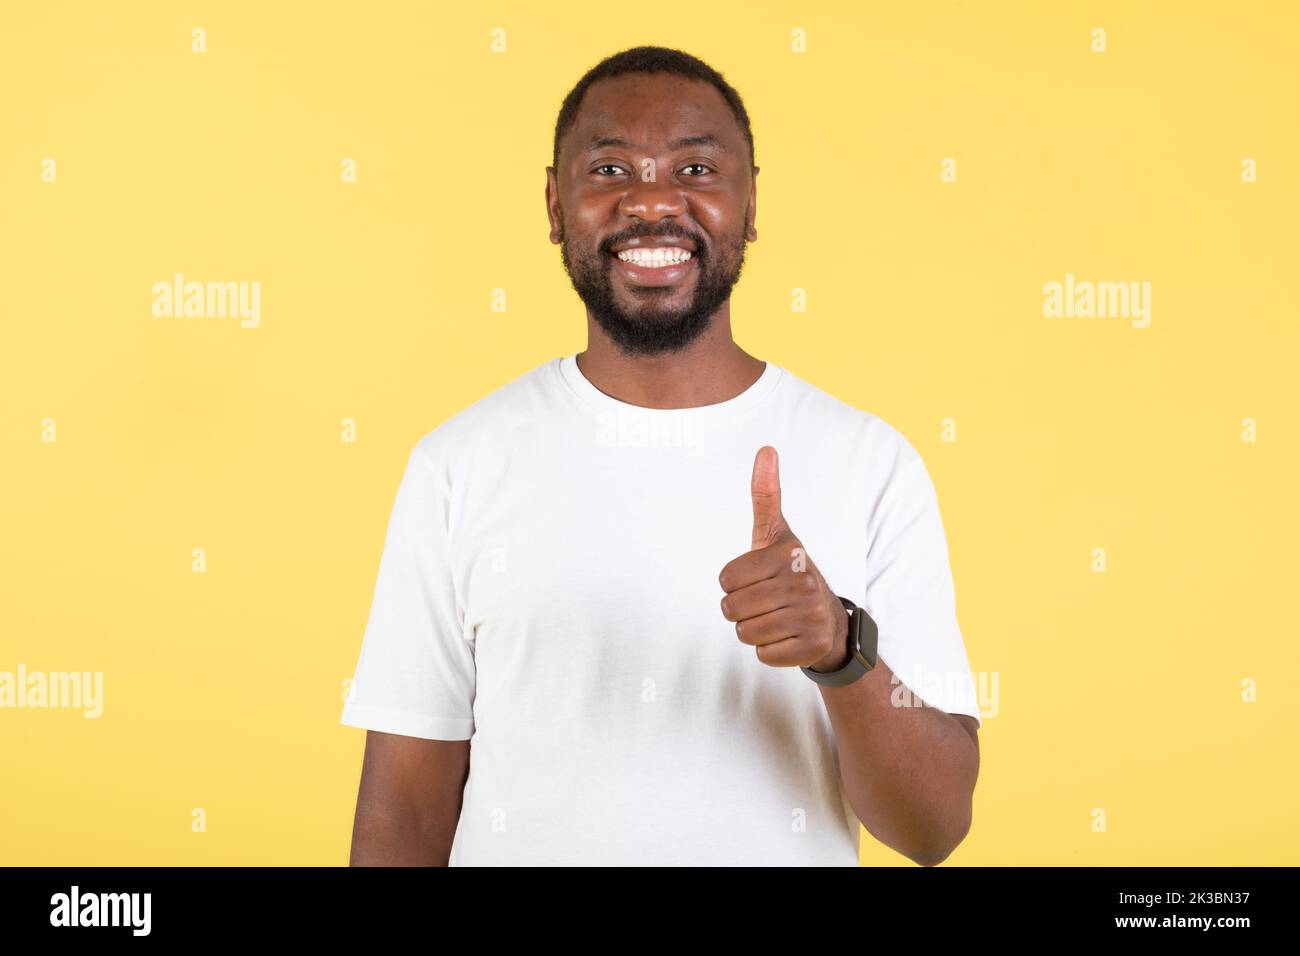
pixel 838 656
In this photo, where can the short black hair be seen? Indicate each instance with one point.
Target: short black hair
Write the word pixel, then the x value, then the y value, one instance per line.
pixel 650 59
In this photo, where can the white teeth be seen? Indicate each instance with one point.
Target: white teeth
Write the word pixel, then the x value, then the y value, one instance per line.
pixel 655 258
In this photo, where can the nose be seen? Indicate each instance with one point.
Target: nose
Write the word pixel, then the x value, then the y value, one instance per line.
pixel 651 201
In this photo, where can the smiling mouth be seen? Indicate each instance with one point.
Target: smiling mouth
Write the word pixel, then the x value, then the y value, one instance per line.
pixel 664 267
pixel 657 258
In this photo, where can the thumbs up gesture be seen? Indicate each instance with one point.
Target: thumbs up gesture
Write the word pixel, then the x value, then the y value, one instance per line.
pixel 779 600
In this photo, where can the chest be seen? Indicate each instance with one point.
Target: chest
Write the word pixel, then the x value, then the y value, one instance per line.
pixel 628 542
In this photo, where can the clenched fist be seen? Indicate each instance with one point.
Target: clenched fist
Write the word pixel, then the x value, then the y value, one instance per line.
pixel 779 600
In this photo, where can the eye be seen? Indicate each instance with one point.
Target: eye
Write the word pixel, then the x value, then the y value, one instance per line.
pixel 606 166
pixel 700 166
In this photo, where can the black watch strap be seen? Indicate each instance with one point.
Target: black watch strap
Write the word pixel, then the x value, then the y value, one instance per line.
pixel 862 638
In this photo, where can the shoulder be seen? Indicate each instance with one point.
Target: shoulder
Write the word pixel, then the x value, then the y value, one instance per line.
pixel 880 445
pixel 489 422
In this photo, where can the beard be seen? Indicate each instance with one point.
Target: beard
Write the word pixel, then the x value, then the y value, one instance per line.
pixel 652 327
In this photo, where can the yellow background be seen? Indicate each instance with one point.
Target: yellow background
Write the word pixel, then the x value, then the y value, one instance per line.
pixel 1119 690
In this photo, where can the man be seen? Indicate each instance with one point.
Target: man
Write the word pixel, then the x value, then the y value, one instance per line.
pixel 609 627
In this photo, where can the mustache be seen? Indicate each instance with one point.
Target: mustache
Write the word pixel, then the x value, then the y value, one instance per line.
pixel 608 246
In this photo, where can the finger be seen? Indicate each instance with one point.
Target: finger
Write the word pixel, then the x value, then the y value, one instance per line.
pixel 754 566
pixel 771 627
pixel 790 652
pixel 765 489
pixel 759 598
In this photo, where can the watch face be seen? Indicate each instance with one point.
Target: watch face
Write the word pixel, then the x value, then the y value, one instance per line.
pixel 855 629
pixel 867 636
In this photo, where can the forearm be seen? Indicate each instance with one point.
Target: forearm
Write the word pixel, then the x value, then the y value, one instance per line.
pixel 909 772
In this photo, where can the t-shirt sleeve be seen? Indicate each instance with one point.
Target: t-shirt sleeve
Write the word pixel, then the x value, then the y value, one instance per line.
pixel 910 593
pixel 416 672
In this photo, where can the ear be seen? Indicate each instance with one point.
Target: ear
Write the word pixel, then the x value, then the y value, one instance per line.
pixel 553 212
pixel 751 233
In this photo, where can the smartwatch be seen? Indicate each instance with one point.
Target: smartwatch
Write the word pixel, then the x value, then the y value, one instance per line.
pixel 861 642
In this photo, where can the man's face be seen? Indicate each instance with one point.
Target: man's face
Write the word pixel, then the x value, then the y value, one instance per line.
pixel 651 160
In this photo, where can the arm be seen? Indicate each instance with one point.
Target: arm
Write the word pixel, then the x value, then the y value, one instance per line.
pixel 909 772
pixel 409 800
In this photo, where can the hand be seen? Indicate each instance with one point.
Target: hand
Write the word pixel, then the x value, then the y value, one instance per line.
pixel 779 600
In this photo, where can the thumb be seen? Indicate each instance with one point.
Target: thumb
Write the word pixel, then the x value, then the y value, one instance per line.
pixel 765 488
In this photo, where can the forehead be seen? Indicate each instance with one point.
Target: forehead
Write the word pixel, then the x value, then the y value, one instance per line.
pixel 648 110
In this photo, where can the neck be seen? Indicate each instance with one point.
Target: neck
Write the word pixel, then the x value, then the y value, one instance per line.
pixel 711 369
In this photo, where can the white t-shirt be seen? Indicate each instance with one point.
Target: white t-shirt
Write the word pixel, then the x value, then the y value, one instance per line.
pixel 549 590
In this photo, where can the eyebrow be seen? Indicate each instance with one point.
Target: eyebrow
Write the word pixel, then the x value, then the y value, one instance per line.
pixel 703 139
